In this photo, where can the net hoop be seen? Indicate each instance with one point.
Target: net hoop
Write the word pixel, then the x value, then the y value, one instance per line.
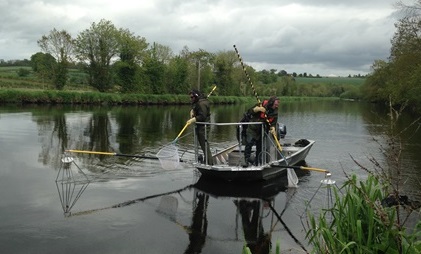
pixel 168 157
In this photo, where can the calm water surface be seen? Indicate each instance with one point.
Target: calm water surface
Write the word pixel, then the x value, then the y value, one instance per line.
pixel 132 205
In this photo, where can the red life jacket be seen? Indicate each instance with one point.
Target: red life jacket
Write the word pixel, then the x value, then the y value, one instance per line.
pixel 263 115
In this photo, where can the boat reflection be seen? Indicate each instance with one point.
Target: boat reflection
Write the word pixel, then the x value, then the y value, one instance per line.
pixel 198 229
pixel 252 202
pixel 257 240
pixel 206 217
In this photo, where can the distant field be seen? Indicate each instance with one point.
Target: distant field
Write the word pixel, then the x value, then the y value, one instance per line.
pixel 12 71
pixel 331 80
pixel 9 78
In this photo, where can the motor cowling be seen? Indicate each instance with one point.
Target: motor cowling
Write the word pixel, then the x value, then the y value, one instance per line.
pixel 282 130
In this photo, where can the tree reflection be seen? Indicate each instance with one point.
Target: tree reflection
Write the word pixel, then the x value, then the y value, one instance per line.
pixel 99 131
pixel 127 137
pixel 53 133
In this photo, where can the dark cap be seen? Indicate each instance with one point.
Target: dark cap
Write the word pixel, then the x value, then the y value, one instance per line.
pixel 195 93
pixel 272 100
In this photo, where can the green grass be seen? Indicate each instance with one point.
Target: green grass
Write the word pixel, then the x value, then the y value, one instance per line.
pixel 9 79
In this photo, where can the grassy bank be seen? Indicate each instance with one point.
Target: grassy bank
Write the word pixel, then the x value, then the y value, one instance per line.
pixel 19 84
pixel 19 96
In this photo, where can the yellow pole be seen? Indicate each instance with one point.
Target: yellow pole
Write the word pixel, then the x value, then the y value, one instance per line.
pixel 91 152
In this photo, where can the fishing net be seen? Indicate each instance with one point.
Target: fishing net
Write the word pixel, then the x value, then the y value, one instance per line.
pixel 168 157
pixel 292 178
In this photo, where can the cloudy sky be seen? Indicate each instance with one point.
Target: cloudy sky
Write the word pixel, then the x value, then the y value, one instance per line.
pixel 324 37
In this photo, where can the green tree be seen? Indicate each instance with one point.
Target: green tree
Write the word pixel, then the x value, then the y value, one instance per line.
pixel 98 46
pixel 42 64
pixel 132 52
pixel 60 45
pixel 405 61
pixel 177 75
pixel 154 68
pixel 200 68
pixel 374 88
pixel 22 72
pixel 398 81
pixel 282 73
pixel 226 64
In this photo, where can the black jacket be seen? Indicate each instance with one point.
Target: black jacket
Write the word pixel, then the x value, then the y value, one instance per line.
pixel 201 110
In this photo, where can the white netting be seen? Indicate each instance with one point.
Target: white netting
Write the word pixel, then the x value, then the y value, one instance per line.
pixel 168 157
pixel 292 178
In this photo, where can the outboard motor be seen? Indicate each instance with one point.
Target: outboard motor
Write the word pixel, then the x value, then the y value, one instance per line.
pixel 282 130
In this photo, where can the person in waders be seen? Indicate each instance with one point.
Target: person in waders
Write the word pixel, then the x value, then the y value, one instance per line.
pixel 200 112
pixel 266 112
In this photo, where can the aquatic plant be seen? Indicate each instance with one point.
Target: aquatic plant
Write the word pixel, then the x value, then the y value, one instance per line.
pixel 372 214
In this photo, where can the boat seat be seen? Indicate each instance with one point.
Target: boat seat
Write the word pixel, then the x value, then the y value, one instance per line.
pixel 290 149
pixel 220 158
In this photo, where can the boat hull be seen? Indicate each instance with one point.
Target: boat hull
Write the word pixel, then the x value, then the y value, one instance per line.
pixel 258 189
pixel 293 152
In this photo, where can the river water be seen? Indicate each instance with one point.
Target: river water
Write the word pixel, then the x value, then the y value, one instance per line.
pixel 116 204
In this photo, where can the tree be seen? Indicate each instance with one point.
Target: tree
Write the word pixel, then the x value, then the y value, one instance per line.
pixel 22 72
pixel 398 81
pixel 132 52
pixel 177 75
pixel 413 10
pixel 155 69
pixel 60 45
pixel 98 46
pixel 42 64
pixel 201 63
pixel 405 60
pixel 225 62
pixel 282 73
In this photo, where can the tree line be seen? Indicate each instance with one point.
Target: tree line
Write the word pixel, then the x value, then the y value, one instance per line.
pixel 116 60
pixel 397 80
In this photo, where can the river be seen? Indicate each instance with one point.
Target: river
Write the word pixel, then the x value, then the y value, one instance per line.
pixel 116 204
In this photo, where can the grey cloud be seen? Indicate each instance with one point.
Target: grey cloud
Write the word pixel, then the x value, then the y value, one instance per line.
pixel 329 37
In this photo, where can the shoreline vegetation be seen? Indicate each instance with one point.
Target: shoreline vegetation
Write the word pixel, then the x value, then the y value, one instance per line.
pixel 17 96
pixel 22 85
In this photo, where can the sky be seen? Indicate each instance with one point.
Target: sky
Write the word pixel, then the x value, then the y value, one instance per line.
pixel 325 37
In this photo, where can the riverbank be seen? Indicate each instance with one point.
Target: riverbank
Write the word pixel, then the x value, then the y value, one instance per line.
pixel 16 96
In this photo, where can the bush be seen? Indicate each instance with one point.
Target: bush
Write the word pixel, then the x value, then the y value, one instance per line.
pixel 23 72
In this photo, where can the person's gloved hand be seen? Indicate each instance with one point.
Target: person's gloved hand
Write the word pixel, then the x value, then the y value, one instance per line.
pixel 191 113
pixel 191 120
pixel 272 130
pixel 259 109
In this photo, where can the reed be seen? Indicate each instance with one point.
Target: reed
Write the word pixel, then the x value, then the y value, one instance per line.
pixel 358 223
pixel 246 250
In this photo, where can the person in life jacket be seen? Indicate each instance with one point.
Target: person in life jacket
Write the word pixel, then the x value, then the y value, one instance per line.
pixel 200 112
pixel 266 112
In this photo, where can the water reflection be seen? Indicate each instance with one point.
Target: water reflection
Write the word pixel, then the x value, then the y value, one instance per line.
pixel 38 135
pixel 198 229
pixel 253 205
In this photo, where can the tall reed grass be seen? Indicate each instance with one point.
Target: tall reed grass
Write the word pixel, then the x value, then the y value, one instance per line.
pixel 358 223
